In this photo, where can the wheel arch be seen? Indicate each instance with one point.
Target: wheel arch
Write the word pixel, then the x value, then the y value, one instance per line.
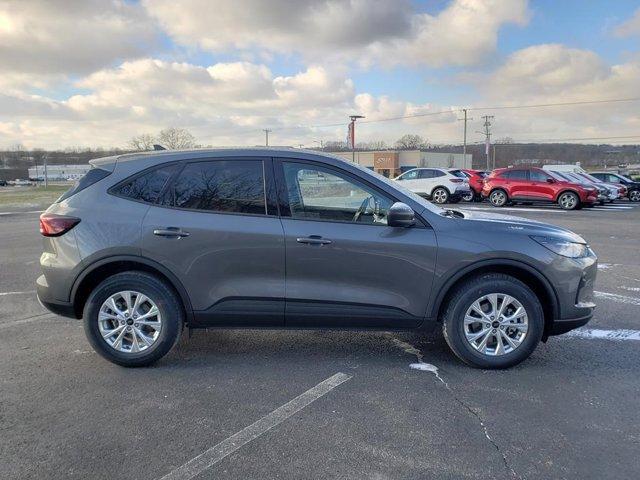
pixel 440 186
pixel 95 273
pixel 570 190
pixel 524 272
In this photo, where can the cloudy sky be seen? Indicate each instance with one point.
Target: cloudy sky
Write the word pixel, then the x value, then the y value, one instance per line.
pixel 97 72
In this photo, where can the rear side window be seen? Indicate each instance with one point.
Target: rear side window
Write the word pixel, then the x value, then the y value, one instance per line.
pixel 92 176
pixel 148 186
pixel 515 175
pixel 426 173
pixel 233 186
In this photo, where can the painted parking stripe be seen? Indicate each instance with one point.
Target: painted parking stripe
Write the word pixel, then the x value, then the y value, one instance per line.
pixel 218 452
pixel 619 298
pixel 591 333
pixel 28 292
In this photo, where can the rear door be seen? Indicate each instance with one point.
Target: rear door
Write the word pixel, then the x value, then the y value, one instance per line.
pixel 215 229
pixel 345 266
pixel 518 182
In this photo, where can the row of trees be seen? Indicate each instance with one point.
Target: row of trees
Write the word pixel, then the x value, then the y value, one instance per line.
pixel 406 142
pixel 171 138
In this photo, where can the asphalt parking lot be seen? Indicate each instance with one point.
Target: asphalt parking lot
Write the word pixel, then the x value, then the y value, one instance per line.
pixel 306 404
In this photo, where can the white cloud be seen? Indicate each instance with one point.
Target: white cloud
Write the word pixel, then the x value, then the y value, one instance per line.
pixel 388 32
pixel 42 41
pixel 629 28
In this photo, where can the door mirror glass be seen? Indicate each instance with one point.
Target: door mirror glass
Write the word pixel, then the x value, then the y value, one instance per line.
pixel 400 215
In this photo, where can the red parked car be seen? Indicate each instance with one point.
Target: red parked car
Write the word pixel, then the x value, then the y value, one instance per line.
pixel 476 179
pixel 506 185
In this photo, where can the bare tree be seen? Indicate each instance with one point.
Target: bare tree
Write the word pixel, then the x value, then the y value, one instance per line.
pixel 174 138
pixel 144 141
pixel 411 142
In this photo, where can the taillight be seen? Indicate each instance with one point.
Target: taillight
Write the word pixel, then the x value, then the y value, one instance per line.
pixel 456 180
pixel 52 225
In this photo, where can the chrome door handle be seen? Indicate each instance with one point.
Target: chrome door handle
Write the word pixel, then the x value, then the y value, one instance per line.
pixel 313 240
pixel 170 232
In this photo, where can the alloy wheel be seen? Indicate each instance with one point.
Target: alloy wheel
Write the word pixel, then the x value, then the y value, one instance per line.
pixel 634 195
pixel 496 324
pixel 568 201
pixel 440 195
pixel 498 198
pixel 129 322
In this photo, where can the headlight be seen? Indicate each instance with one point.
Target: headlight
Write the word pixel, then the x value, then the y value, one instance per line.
pixel 563 247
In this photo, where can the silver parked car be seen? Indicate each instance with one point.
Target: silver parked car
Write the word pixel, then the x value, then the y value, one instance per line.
pixel 146 244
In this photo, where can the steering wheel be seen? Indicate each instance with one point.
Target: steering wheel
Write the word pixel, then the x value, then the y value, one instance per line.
pixel 362 209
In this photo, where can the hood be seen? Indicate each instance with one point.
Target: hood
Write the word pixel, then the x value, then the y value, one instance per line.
pixel 517 225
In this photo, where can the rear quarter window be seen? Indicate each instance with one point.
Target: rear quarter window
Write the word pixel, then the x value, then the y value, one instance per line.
pixel 92 176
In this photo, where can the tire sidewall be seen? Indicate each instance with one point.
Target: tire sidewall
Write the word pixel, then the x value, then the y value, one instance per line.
pixel 498 204
pixel 446 195
pixel 575 206
pixel 454 325
pixel 163 297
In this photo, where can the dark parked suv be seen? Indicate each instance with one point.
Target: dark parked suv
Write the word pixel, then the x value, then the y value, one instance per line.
pixel 146 244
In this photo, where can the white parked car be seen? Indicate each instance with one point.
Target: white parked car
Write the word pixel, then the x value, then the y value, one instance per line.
pixel 437 184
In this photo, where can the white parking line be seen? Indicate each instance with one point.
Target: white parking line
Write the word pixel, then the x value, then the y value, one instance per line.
pixel 28 292
pixel 591 333
pixel 17 213
pixel 216 453
pixel 619 298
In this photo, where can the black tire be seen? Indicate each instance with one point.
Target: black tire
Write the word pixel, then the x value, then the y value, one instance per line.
pixel 498 197
pixel 468 292
pixel 168 303
pixel 469 197
pixel 634 195
pixel 572 201
pixel 440 195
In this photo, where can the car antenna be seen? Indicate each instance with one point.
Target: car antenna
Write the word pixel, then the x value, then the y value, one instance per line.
pixel 158 147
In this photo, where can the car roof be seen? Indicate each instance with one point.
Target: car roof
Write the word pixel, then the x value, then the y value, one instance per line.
pixel 176 155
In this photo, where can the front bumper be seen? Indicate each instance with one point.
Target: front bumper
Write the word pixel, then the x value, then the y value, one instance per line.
pixel 563 326
pixel 58 307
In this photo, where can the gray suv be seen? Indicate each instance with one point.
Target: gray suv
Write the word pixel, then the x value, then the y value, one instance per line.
pixel 146 244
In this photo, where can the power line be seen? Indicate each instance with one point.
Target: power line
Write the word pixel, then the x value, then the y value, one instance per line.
pixel 560 104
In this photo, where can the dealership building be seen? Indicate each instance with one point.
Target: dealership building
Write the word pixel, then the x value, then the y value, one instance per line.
pixel 392 163
pixel 59 172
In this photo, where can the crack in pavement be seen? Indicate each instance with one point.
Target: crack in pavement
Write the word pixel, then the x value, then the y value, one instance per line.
pixel 422 365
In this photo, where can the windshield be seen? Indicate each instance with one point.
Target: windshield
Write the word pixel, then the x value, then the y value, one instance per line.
pixel 558 176
pixel 590 178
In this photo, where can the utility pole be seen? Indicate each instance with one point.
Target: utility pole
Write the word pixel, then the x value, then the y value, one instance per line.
pixel 352 135
pixel 266 136
pixel 464 145
pixel 46 177
pixel 487 134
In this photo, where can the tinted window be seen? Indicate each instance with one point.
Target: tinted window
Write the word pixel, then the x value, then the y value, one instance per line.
pixel 219 186
pixel 438 173
pixel 91 177
pixel 316 193
pixel 515 175
pixel 537 176
pixel 426 173
pixel 459 173
pixel 148 186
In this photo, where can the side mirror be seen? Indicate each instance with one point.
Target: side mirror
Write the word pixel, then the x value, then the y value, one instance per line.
pixel 550 180
pixel 400 215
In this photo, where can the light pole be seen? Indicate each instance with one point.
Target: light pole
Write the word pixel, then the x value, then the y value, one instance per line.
pixel 352 135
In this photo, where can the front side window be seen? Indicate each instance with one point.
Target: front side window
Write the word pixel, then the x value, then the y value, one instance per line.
pixel 232 186
pixel 538 176
pixel 148 186
pixel 316 193
pixel 412 175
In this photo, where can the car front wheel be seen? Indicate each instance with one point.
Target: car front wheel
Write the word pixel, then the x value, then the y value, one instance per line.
pixel 569 201
pixel 133 319
pixel 493 321
pixel 634 195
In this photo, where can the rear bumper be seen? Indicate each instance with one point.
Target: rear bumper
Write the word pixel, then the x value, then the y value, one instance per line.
pixel 58 307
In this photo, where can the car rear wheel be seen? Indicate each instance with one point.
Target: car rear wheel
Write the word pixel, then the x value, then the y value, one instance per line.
pixel 440 195
pixel 468 197
pixel 634 195
pixel 498 198
pixel 569 201
pixel 493 321
pixel 133 319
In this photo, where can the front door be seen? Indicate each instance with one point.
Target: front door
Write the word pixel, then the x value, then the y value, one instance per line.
pixel 214 230
pixel 345 266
